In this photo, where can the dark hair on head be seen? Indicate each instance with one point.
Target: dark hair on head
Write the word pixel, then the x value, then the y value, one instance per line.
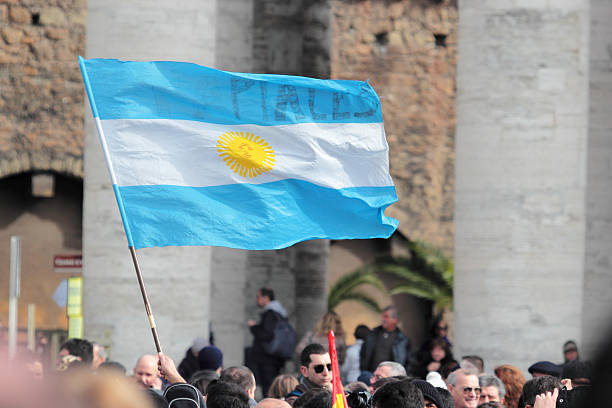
pixel 384 381
pixel 491 404
pixel 446 397
pixel 112 366
pixel 448 354
pixel 239 375
pixel 434 325
pixel 448 368
pixel 313 348
pixel 536 386
pixel 200 379
pixel 79 348
pixel 267 292
pixel 314 398
pixel 361 332
pixel 401 394
pixel 356 386
pixel 221 394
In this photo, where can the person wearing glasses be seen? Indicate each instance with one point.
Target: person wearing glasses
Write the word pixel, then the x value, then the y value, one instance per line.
pixel 464 387
pixel 492 389
pixel 315 369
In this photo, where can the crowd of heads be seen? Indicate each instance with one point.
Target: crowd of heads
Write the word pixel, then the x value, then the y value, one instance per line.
pixel 84 376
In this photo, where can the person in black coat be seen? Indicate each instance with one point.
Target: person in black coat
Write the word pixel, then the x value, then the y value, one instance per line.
pixel 265 367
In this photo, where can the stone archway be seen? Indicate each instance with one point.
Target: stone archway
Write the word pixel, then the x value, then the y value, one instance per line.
pixel 47 226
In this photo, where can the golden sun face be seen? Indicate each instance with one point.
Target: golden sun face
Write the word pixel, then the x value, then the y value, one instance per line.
pixel 245 153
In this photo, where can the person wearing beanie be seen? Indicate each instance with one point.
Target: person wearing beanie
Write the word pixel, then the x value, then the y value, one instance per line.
pixel 210 358
pixel 544 368
pixel 435 379
pixel 430 393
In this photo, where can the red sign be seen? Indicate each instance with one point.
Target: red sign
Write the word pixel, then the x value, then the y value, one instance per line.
pixel 68 263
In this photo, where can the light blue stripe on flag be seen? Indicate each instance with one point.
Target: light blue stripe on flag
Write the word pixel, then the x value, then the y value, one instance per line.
pixel 179 90
pixel 255 216
pixel 205 157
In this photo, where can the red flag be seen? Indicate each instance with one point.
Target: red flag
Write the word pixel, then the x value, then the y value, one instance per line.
pixel 339 398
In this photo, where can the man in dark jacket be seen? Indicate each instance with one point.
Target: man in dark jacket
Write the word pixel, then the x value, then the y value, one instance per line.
pixel 386 343
pixel 265 367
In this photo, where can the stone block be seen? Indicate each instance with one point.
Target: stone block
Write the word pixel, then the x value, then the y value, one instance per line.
pixel 57 33
pixel 20 15
pixel 52 16
pixel 551 79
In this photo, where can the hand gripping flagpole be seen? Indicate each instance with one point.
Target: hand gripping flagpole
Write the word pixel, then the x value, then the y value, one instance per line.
pixel 339 398
pixel 126 226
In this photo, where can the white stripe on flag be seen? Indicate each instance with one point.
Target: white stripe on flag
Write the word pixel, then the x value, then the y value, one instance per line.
pixel 184 153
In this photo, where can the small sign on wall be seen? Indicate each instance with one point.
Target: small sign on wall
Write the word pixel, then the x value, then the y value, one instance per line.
pixel 68 263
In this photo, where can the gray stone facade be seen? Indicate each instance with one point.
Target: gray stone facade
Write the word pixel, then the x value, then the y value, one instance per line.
pixel 532 178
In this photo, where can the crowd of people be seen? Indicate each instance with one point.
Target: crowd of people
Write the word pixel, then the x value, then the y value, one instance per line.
pixel 380 371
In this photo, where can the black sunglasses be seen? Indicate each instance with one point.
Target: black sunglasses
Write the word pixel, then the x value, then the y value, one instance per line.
pixel 319 368
pixel 467 390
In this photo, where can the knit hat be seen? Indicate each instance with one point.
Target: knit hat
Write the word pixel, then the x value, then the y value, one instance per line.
pixel 545 367
pixel 210 358
pixel 429 392
pixel 435 379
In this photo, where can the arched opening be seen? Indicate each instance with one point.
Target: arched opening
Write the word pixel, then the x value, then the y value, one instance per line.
pixel 48 219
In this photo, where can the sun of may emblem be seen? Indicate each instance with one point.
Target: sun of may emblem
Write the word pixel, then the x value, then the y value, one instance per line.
pixel 245 153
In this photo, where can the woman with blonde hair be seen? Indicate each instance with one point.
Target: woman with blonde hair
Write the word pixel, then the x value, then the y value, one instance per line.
pixel 282 385
pixel 513 380
pixel 329 321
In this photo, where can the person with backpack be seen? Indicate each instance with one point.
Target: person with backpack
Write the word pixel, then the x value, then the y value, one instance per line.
pixel 273 337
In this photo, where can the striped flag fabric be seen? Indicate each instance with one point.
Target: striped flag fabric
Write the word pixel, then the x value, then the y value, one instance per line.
pixel 199 156
pixel 338 395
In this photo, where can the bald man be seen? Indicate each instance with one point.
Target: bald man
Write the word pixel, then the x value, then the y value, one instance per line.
pixel 272 403
pixel 146 373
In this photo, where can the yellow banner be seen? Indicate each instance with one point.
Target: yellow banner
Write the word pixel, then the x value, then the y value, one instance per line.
pixel 75 297
pixel 75 327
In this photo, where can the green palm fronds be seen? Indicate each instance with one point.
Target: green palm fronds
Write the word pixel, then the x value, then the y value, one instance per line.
pixel 345 289
pixel 427 273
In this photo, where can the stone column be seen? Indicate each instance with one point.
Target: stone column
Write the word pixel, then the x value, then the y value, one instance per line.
pixel 177 279
pixel 597 306
pixel 521 148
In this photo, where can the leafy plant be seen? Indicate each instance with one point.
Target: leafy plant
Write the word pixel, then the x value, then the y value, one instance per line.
pixel 346 287
pixel 426 273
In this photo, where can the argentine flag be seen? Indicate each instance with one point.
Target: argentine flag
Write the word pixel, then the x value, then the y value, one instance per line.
pixel 199 156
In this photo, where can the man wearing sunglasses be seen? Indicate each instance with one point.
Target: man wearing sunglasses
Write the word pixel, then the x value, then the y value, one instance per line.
pixel 463 386
pixel 315 369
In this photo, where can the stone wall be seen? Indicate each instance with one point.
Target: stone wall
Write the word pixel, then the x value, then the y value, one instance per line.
pixel 41 92
pixel 522 122
pixel 292 37
pixel 597 306
pixel 408 51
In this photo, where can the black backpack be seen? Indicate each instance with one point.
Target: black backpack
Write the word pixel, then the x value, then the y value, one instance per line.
pixel 282 344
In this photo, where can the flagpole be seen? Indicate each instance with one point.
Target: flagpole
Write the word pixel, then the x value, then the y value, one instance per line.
pixel 145 298
pixel 126 226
